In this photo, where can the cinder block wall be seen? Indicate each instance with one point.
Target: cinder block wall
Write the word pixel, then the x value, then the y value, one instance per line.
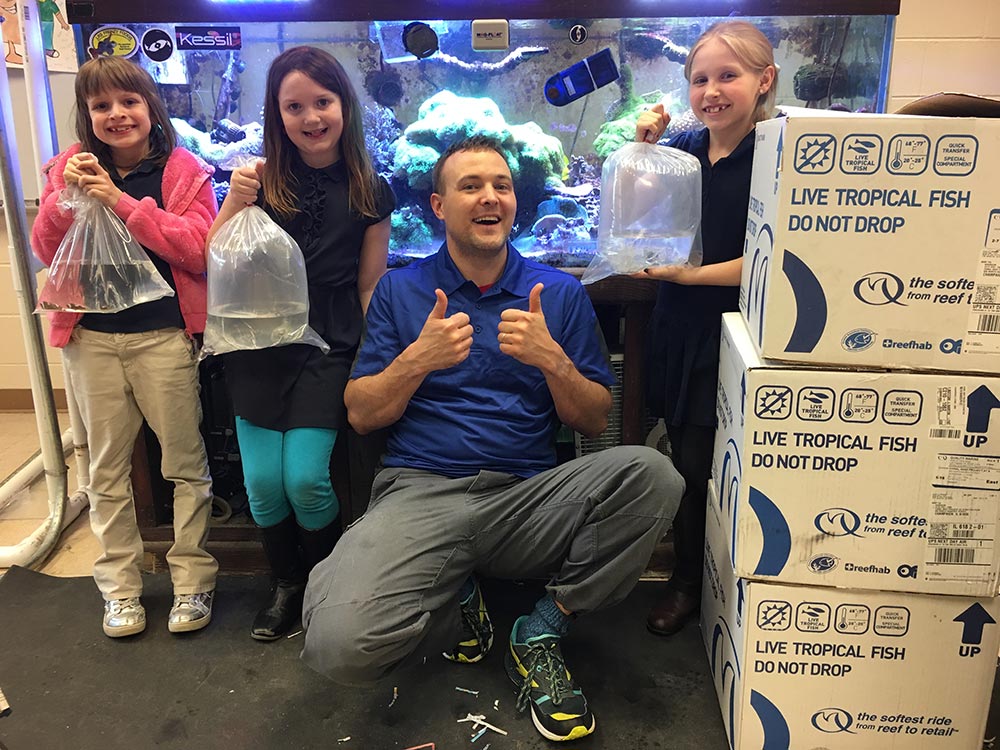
pixel 953 46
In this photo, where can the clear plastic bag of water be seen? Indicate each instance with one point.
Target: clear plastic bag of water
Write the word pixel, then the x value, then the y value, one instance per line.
pixel 258 296
pixel 650 211
pixel 99 267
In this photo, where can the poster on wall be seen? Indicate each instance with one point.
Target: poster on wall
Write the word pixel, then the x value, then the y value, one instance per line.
pixel 57 35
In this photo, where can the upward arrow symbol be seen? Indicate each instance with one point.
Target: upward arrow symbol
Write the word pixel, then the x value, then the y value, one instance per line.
pixel 781 141
pixel 975 618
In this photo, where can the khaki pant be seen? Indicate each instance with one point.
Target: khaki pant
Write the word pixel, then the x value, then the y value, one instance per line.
pixel 119 378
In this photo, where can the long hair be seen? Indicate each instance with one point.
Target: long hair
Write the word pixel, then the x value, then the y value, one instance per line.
pixel 104 74
pixel 749 45
pixel 326 71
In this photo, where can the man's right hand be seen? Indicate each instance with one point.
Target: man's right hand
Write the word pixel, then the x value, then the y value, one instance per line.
pixel 443 341
pixel 652 124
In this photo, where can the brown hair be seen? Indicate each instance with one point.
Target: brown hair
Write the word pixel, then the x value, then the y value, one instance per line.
pixel 751 48
pixel 104 74
pixel 326 71
pixel 472 143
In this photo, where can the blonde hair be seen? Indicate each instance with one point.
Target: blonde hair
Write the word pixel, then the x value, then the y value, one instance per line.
pixel 753 51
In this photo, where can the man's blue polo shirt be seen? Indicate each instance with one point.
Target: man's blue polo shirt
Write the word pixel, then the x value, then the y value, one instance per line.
pixel 490 412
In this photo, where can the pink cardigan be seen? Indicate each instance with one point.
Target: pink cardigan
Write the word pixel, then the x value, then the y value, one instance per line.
pixel 177 233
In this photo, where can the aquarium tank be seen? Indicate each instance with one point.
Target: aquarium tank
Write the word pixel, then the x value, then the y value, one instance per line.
pixel 559 83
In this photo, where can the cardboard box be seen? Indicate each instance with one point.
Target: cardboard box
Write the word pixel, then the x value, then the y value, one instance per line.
pixel 874 241
pixel 800 667
pixel 873 480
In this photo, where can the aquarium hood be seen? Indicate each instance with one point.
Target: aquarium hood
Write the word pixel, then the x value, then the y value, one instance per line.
pixel 247 11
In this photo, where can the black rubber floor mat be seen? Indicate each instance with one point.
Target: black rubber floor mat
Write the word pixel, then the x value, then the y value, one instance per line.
pixel 69 686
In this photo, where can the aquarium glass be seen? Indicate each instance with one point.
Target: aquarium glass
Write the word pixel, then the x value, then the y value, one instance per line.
pixel 562 96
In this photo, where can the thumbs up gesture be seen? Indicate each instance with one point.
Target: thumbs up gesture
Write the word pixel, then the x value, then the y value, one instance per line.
pixel 524 335
pixel 445 340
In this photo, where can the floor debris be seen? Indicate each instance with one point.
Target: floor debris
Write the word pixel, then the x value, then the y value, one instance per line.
pixel 479 721
pixel 466 690
pixel 395 695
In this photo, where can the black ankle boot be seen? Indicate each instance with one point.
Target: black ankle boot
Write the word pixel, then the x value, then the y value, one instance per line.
pixel 318 544
pixel 285 606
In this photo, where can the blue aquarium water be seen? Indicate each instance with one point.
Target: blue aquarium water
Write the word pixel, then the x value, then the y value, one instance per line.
pixel 561 97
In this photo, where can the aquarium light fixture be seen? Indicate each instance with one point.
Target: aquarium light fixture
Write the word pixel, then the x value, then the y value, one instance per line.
pixel 258 2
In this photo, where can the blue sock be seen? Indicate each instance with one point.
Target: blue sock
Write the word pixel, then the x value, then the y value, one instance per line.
pixel 465 593
pixel 545 619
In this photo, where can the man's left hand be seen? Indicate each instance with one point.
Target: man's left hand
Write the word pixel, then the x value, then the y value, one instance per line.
pixel 524 335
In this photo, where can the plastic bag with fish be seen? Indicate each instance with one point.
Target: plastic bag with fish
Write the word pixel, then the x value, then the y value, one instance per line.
pixel 99 267
pixel 258 296
pixel 650 211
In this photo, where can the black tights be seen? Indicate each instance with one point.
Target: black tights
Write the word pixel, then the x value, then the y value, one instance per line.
pixel 692 447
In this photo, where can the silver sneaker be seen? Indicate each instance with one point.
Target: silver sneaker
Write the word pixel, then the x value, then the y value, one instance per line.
pixel 124 617
pixel 190 612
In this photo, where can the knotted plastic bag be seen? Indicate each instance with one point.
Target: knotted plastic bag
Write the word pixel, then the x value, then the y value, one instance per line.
pixel 258 296
pixel 98 267
pixel 650 211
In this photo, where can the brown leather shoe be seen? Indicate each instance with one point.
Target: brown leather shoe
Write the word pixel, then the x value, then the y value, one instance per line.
pixel 672 611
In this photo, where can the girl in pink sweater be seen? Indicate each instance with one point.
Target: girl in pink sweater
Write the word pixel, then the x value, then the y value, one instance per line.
pixel 140 363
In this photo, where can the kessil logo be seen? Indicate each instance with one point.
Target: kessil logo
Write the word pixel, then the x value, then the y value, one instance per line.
pixel 208 37
pixel 880 288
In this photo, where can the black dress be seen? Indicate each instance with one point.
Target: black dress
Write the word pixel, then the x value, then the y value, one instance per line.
pixel 291 386
pixel 683 353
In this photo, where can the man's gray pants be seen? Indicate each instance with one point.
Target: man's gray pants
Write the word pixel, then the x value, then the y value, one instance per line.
pixel 388 595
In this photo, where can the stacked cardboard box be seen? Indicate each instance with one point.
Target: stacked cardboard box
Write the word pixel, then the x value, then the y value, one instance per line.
pixel 852 565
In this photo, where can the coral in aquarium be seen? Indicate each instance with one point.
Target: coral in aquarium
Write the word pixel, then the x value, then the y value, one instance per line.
pixel 409 230
pixel 202 143
pixel 817 81
pixel 381 131
pixel 615 133
pixel 536 159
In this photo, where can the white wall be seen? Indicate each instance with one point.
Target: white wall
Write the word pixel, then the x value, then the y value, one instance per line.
pixel 945 46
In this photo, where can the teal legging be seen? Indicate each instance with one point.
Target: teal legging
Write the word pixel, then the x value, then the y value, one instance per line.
pixel 288 472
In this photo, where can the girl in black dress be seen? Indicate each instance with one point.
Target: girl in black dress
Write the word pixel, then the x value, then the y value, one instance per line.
pixel 319 186
pixel 732 78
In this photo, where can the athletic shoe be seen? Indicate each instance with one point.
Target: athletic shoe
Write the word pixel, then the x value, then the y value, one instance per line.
pixel 190 612
pixel 558 708
pixel 124 617
pixel 477 631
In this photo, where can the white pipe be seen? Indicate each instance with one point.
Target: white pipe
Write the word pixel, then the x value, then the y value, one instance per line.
pixel 32 548
pixel 26 475
pixel 44 144
pixel 36 85
pixel 54 464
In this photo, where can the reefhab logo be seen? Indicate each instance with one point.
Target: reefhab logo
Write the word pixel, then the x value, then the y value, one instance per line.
pixel 838 522
pixel 880 288
pixel 833 721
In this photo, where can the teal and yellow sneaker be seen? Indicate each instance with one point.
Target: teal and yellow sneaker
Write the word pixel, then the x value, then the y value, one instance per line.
pixel 477 631
pixel 559 709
